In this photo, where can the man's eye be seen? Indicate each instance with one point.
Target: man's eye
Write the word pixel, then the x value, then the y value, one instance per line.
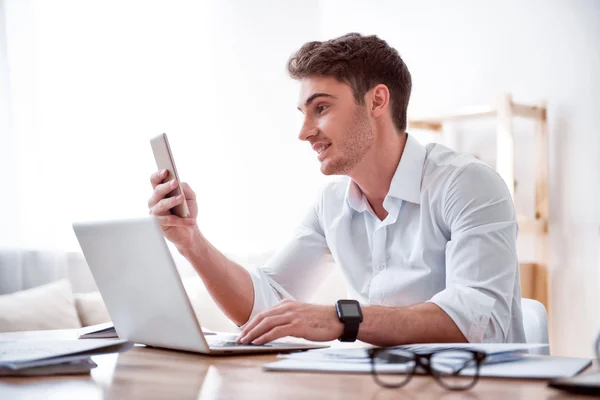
pixel 320 109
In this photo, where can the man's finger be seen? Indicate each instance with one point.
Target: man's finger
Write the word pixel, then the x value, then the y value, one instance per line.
pixel 163 206
pixel 160 191
pixel 188 192
pixel 266 325
pixel 172 220
pixel 253 322
pixel 258 319
pixel 280 308
pixel 276 333
pixel 157 177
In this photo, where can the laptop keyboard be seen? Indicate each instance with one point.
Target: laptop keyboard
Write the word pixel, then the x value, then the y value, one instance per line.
pixel 230 343
pixel 276 344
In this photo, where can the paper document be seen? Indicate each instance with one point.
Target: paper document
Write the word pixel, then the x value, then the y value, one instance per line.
pixel 503 360
pixel 107 331
pixel 100 331
pixel 80 366
pixel 16 354
pixel 488 348
pixel 360 355
pixel 529 367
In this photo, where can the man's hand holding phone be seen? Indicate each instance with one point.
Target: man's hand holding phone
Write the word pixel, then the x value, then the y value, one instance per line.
pixel 181 231
pixel 175 208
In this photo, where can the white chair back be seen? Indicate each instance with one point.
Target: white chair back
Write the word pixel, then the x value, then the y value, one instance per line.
pixel 535 322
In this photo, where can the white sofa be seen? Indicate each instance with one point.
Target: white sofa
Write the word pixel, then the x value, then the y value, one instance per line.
pixel 77 303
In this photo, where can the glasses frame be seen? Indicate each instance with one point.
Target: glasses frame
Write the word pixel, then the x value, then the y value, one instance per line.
pixel 424 360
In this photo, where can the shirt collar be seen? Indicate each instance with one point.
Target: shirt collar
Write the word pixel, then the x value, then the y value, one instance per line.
pixel 355 198
pixel 406 182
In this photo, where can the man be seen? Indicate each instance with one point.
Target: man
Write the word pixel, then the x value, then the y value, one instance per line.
pixel 425 237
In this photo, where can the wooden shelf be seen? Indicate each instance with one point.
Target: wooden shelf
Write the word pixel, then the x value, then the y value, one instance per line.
pixel 534 278
pixel 435 123
pixel 532 226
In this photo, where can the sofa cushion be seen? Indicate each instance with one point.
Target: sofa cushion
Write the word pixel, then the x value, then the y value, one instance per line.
pixel 92 311
pixel 91 308
pixel 49 306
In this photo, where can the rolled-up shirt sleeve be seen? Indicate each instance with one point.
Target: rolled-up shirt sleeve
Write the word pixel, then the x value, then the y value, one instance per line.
pixel 297 269
pixel 481 257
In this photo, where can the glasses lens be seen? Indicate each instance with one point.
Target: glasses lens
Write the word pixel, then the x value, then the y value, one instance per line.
pixel 455 369
pixel 392 367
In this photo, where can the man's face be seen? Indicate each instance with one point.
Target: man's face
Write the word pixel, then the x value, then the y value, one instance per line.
pixel 336 127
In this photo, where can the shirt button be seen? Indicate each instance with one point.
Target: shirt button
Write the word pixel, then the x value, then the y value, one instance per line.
pixel 381 267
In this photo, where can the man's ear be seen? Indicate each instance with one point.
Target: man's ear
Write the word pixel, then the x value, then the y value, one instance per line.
pixel 379 100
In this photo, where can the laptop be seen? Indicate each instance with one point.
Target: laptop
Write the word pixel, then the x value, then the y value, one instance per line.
pixel 143 292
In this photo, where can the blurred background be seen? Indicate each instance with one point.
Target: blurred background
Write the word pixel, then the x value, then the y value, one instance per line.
pixel 84 85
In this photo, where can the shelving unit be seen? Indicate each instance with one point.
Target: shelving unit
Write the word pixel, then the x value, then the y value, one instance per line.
pixel 534 276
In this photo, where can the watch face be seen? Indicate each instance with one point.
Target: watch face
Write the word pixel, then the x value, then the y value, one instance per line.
pixel 350 310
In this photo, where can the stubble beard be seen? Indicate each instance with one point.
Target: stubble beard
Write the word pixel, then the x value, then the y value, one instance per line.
pixel 353 146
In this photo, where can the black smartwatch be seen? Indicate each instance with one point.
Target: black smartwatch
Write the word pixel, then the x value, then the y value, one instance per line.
pixel 350 315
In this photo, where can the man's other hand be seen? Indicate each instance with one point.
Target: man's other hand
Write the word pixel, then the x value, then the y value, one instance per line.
pixel 313 322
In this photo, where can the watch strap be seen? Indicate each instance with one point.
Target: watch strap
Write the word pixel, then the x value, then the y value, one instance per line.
pixel 350 331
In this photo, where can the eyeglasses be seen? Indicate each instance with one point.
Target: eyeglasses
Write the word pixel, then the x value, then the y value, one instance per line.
pixel 393 367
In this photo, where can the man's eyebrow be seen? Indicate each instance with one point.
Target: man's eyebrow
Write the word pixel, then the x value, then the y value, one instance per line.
pixel 314 96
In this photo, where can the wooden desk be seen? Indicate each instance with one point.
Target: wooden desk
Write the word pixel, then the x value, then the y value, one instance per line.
pixel 150 373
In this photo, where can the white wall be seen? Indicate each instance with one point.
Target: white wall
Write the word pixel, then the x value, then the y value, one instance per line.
pixel 467 52
pixel 93 81
pixel 8 200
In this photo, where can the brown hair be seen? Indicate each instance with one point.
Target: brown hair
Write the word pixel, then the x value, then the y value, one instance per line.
pixel 361 62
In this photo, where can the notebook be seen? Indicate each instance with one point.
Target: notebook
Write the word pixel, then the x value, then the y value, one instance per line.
pixel 107 331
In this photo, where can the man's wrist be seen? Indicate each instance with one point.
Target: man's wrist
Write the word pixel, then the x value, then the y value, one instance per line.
pixel 350 315
pixel 338 325
pixel 195 249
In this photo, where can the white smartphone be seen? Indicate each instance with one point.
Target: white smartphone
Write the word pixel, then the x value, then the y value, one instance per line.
pixel 164 160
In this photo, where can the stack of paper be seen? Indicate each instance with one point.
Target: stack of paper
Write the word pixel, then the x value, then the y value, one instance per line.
pixel 100 331
pixel 44 357
pixel 503 360
pixel 108 331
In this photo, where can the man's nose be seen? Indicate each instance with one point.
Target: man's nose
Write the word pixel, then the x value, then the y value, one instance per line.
pixel 307 131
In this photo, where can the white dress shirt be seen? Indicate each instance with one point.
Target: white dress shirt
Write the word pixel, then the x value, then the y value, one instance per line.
pixel 449 238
